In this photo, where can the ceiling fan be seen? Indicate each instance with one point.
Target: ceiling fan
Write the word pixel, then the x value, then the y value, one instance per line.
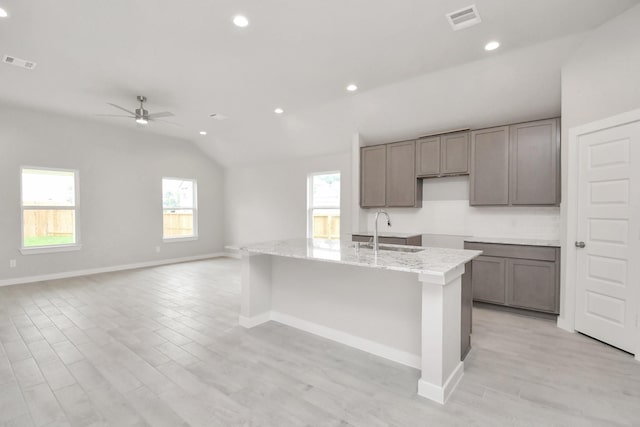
pixel 141 115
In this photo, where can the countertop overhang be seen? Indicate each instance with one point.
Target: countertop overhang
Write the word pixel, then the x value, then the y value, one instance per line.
pixel 428 260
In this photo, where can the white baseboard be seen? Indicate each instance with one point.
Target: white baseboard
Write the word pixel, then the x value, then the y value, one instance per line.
pixel 381 350
pixel 565 324
pixel 76 273
pixel 441 394
pixel 251 322
pixel 233 254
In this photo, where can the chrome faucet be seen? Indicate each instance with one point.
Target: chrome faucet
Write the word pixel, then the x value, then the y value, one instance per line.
pixel 375 230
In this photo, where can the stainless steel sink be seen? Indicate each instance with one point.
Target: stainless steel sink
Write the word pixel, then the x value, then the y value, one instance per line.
pixel 383 247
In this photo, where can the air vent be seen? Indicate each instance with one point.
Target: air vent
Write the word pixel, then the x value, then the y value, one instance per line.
pixel 464 18
pixel 22 63
pixel 217 116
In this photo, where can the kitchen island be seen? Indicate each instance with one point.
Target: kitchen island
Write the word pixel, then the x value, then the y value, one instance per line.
pixel 402 303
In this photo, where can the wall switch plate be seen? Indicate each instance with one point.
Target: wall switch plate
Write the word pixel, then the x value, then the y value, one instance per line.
pixel 157 249
pixel 12 263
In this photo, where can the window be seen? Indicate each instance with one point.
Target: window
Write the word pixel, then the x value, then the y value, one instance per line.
pixel 324 205
pixel 49 210
pixel 179 209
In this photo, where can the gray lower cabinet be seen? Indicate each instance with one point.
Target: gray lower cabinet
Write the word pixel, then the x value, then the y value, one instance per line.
pixel 517 276
pixel 532 285
pixel 373 176
pixel 466 312
pixel 516 165
pixel 442 155
pixel 489 171
pixel 489 279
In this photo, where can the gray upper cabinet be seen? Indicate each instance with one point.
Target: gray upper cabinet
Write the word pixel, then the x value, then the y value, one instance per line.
pixel 373 180
pixel 401 175
pixel 442 155
pixel 516 165
pixel 489 181
pixel 534 165
pixel 454 149
pixel 428 156
pixel 388 176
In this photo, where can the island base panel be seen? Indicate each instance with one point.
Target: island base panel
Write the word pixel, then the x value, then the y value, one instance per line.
pixel 409 318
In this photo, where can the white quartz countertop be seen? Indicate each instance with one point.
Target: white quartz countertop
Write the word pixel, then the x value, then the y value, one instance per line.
pixel 429 260
pixel 387 234
pixel 513 241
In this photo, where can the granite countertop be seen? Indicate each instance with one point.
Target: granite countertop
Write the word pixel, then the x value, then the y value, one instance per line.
pixel 387 234
pixel 434 261
pixel 513 241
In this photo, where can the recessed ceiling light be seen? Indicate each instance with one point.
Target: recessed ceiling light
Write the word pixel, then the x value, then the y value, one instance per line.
pixel 352 88
pixel 3 13
pixel 493 45
pixel 278 111
pixel 240 21
pixel 202 132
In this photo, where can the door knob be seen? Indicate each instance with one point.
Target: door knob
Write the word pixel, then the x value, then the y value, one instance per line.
pixel 580 245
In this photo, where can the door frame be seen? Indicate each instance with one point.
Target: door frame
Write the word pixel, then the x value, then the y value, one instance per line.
pixel 566 319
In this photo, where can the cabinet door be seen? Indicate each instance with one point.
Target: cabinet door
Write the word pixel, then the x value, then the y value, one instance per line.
pixel 401 174
pixel 428 156
pixel 489 181
pixel 488 279
pixel 532 284
pixel 454 150
pixel 373 170
pixel 534 163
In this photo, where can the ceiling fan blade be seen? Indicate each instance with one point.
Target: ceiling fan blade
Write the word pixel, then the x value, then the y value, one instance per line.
pixel 114 115
pixel 160 115
pixel 122 108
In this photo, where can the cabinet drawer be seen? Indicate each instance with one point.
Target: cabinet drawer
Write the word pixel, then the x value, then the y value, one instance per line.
pixel 539 253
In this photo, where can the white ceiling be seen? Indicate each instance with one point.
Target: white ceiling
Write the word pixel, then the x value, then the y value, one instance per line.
pixel 188 57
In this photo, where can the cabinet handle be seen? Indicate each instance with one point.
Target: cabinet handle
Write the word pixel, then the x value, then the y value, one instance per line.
pixel 580 245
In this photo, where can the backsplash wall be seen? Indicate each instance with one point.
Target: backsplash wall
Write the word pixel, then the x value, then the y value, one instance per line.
pixel 445 210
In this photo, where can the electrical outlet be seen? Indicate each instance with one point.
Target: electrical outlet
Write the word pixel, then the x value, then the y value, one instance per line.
pixel 12 263
pixel 157 249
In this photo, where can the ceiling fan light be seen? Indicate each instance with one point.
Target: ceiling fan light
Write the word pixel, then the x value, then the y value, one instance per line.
pixel 141 121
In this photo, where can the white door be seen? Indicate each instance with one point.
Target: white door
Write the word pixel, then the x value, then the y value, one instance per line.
pixel 608 266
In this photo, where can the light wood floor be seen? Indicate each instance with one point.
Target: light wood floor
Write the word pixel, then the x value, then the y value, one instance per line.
pixel 161 347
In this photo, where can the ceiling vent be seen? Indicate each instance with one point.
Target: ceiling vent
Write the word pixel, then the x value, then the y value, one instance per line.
pixel 22 63
pixel 464 18
pixel 217 116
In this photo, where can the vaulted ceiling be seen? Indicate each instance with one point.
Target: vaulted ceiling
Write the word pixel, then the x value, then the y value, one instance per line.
pixel 188 57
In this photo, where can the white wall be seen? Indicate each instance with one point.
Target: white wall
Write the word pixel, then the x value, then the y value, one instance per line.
pixel 120 174
pixel 600 80
pixel 268 202
pixel 445 210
